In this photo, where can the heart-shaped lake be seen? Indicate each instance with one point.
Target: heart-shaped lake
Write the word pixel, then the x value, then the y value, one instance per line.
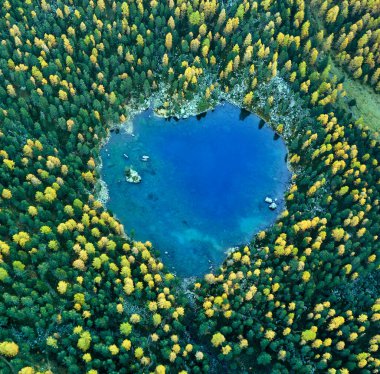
pixel 203 184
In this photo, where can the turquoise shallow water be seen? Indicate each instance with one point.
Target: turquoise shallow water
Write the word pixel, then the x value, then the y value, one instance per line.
pixel 203 187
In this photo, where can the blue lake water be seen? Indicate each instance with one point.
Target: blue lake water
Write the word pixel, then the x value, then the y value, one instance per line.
pixel 203 187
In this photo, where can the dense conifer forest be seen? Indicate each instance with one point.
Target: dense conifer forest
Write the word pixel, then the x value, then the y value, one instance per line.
pixel 80 296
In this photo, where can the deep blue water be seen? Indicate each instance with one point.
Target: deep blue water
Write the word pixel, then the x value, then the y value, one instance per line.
pixel 202 189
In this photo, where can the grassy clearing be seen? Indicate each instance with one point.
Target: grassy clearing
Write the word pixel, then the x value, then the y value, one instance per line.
pixel 367 101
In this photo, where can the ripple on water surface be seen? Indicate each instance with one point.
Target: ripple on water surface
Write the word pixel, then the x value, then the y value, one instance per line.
pixel 203 186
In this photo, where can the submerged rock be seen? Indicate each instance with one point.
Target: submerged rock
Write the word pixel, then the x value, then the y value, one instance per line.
pixel 132 176
pixel 273 206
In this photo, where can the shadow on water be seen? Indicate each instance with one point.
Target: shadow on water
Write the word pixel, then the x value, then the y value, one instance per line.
pixel 170 118
pixel 201 115
pixel 244 114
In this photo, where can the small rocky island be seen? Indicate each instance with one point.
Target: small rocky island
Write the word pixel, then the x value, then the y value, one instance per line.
pixel 132 176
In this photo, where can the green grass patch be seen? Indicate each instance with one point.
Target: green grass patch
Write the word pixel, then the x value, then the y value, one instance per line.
pixel 367 101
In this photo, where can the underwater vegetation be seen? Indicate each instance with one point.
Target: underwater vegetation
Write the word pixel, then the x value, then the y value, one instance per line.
pixel 80 296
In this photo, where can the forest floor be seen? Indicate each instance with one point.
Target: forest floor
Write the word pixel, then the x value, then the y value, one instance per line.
pixel 367 101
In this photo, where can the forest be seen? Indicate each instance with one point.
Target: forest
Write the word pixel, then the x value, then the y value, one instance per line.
pixel 78 295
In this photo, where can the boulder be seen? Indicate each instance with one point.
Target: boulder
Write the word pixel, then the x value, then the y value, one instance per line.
pixel 273 206
pixel 132 176
pixel 268 200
